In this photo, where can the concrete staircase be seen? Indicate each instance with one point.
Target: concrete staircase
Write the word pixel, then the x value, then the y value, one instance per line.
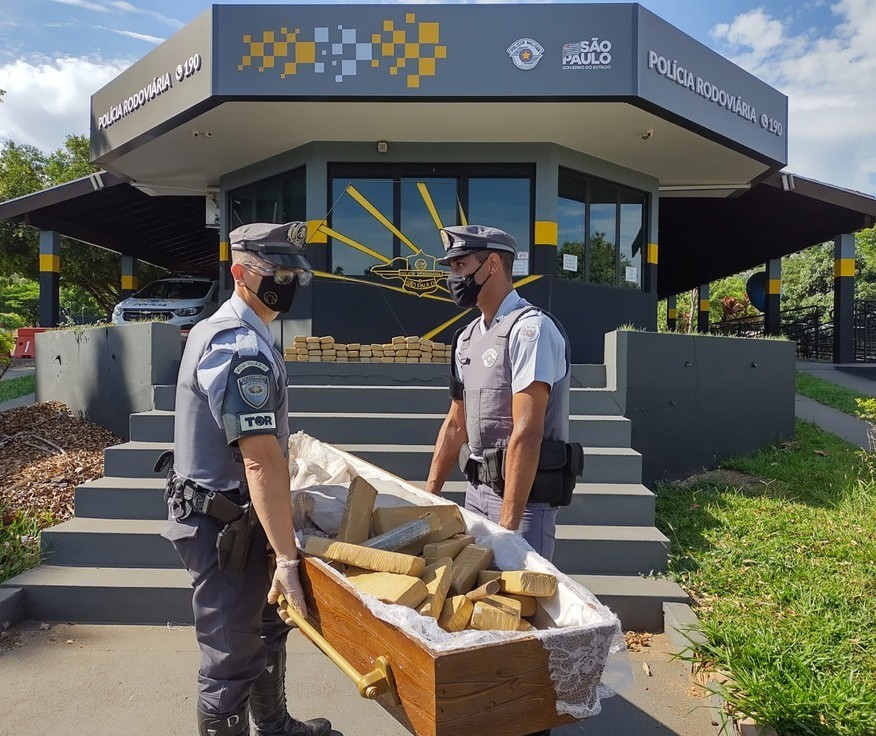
pixel 109 564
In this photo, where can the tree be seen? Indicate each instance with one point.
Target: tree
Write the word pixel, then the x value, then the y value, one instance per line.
pixel 24 170
pixel 602 260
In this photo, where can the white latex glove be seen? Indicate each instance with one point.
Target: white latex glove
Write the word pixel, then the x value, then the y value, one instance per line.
pixel 287 583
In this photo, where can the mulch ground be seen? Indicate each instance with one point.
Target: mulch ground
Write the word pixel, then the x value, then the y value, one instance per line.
pixel 45 452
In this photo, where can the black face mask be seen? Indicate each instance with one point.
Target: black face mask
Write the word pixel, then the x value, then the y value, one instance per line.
pixel 276 297
pixel 464 290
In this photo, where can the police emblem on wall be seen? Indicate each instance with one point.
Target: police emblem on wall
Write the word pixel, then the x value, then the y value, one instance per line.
pixel 525 53
pixel 255 390
pixel 418 273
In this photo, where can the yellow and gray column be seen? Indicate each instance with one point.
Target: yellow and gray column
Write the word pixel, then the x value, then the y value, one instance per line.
pixel 649 283
pixel 671 312
pixel 50 277
pixel 773 312
pixel 226 284
pixel 844 299
pixel 703 308
pixel 129 276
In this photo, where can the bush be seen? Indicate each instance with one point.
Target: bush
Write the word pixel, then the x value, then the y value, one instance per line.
pixel 7 345
pixel 12 321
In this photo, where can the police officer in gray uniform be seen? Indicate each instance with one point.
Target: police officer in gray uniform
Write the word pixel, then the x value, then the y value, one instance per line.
pixel 228 490
pixel 508 423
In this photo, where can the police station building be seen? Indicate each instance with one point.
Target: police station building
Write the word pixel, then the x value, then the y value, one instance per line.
pixel 629 161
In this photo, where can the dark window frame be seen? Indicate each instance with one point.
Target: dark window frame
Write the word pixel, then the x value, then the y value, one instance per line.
pixel 587 180
pixel 396 172
pixel 284 177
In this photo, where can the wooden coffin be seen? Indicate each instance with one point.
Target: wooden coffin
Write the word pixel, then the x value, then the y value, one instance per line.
pixel 499 689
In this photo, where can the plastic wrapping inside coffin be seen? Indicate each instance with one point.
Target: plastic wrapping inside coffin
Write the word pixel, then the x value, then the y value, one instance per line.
pixel 578 633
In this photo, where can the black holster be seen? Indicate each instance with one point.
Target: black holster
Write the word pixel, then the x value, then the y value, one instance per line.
pixel 234 542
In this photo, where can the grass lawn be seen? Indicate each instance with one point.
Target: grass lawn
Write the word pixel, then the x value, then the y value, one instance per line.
pixel 825 392
pixel 784 574
pixel 15 387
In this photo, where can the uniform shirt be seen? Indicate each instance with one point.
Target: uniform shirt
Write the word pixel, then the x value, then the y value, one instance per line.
pixel 213 368
pixel 536 347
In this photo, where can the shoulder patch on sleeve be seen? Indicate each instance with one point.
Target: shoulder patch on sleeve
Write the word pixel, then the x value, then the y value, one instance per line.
pixel 247 343
pixel 250 402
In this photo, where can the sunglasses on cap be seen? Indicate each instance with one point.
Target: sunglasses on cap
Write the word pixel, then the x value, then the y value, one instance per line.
pixel 281 276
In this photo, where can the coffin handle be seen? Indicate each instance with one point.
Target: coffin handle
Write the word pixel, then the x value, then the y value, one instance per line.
pixel 378 681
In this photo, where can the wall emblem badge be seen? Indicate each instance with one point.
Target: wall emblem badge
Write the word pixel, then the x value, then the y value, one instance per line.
pixel 525 53
pixel 418 273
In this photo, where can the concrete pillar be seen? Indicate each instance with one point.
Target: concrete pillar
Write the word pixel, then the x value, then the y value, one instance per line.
pixel 50 277
pixel 671 312
pixel 545 230
pixel 844 299
pixel 773 312
pixel 650 280
pixel 129 276
pixel 703 308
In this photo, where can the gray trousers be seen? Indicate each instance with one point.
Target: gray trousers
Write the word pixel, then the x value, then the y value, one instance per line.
pixel 539 524
pixel 234 625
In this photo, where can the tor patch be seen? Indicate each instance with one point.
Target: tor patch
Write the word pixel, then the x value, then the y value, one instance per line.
pixel 254 389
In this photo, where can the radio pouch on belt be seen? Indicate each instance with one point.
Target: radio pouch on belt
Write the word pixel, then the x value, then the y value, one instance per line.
pixel 235 541
pixel 559 465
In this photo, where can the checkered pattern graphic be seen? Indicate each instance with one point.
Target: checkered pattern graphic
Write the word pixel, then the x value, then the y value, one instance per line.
pixel 410 50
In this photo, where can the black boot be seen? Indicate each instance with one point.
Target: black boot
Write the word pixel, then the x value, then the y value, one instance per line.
pixel 267 702
pixel 226 724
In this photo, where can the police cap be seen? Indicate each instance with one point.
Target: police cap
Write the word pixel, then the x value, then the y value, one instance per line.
pixel 279 245
pixel 462 239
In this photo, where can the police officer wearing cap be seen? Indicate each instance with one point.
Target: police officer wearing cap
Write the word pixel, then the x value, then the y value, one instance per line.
pixel 509 390
pixel 228 490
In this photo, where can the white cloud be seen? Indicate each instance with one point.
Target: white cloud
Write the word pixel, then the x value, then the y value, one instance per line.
pixel 49 99
pixel 134 34
pixel 829 79
pixel 83 4
pixel 127 7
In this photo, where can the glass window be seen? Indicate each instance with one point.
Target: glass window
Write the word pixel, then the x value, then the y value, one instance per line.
pixel 278 199
pixel 632 238
pixel 427 205
pixel 602 259
pixel 502 203
pixel 398 212
pixel 604 226
pixel 359 207
pixel 570 238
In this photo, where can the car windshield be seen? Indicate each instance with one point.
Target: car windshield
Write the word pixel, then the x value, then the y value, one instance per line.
pixel 174 290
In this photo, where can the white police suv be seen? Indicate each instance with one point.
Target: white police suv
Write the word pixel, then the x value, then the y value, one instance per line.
pixel 178 300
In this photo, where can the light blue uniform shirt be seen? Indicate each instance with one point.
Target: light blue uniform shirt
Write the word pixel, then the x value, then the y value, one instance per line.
pixel 213 367
pixel 535 345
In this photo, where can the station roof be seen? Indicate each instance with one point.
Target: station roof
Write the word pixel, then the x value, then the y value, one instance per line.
pixel 701 238
pixel 106 211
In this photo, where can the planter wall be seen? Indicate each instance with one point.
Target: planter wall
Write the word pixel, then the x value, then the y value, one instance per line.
pixel 104 374
pixel 694 399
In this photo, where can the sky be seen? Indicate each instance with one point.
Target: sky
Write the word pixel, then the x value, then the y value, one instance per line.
pixel 54 54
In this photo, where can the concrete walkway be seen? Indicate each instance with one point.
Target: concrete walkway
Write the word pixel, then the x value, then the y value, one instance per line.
pixel 139 680
pixel 858 377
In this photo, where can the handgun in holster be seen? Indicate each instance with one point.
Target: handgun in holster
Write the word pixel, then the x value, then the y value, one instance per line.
pixel 234 541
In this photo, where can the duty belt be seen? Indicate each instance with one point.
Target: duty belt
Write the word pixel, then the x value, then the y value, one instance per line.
pixel 186 497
